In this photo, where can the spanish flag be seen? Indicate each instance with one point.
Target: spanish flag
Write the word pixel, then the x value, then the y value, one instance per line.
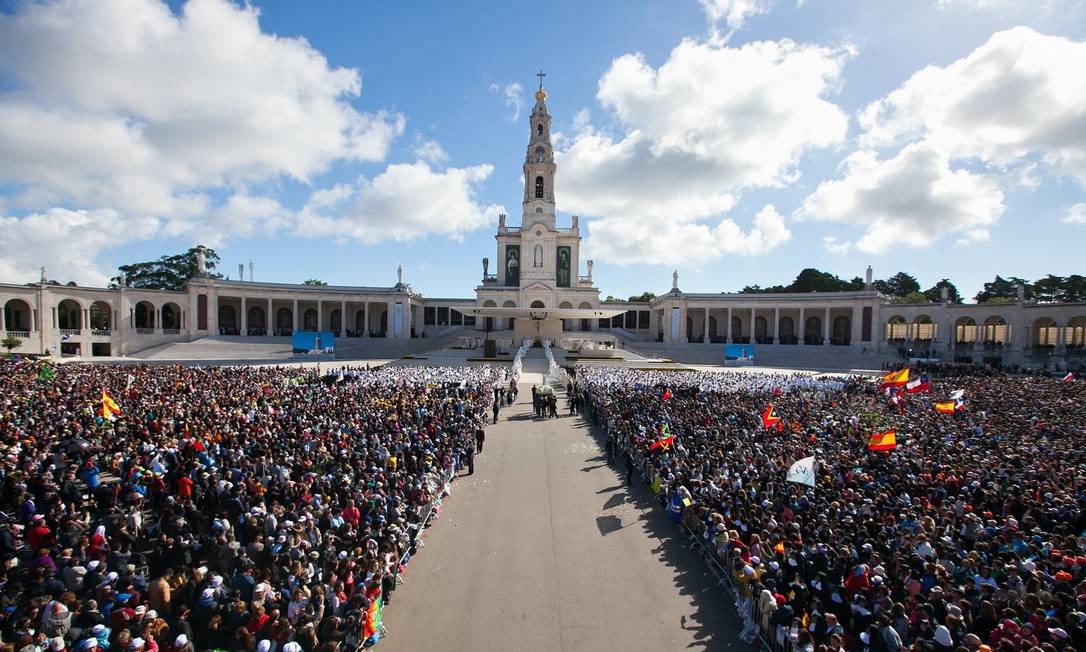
pixel 896 378
pixel 883 441
pixel 769 419
pixel 946 407
pixel 109 406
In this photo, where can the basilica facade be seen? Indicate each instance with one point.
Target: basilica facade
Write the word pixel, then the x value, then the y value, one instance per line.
pixel 534 287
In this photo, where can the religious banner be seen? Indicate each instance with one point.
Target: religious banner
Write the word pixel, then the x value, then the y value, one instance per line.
pixel 674 323
pixel 512 265
pixel 397 319
pixel 563 277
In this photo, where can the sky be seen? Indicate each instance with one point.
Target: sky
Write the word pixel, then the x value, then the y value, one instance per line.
pixel 736 141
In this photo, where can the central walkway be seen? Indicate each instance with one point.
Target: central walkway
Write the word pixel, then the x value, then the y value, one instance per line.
pixel 544 548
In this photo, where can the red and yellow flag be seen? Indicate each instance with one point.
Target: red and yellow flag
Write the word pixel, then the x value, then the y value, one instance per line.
pixel 883 441
pixel 897 378
pixel 770 419
pixel 109 406
pixel 946 407
pixel 666 439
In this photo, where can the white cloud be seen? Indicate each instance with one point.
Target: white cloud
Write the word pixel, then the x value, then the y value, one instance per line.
pixel 512 95
pixel 620 241
pixel 1077 214
pixel 1019 95
pixel 122 103
pixel 835 246
pixel 405 202
pixel 694 133
pixel 909 200
pixel 46 239
pixel 732 13
pixel 430 150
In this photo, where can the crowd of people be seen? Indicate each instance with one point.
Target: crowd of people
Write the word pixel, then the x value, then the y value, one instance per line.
pixel 969 536
pixel 223 508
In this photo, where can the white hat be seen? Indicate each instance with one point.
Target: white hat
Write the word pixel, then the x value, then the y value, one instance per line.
pixel 263 646
pixel 208 593
pixel 99 628
pixel 92 564
pixel 135 643
pixel 56 643
pixel 942 636
pixel 180 640
pixel 292 647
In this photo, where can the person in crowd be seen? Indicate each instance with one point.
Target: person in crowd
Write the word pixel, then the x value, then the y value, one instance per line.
pixel 235 508
pixel 969 535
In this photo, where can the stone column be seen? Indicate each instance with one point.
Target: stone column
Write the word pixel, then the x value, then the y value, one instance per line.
pixel 390 321
pixel 751 327
pixel 826 329
pixel 213 312
pixel 777 325
pixel 857 324
pixel 705 327
pixel 158 320
pixel 85 323
pixel 802 326
pixel 269 320
pixel 3 321
pixel 320 315
pixel 343 318
pixel 244 316
pixel 365 318
pixel 294 317
pixel 728 326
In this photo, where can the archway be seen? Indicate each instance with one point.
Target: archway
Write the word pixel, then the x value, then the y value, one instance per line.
pixel 812 330
pixel 922 329
pixel 336 321
pixel 145 315
pixel 737 329
pixel 509 321
pixel 586 324
pixel 537 304
pixel 712 328
pixel 488 324
pixel 171 316
pixel 567 324
pixel 842 331
pixel 384 323
pixel 69 315
pixel 786 331
pixel 1075 333
pixel 256 323
pixel 17 315
pixel 1046 333
pixel 996 330
pixel 309 320
pixel 690 329
pixel 284 321
pixel 761 327
pixel 100 316
pixel 965 330
pixel 228 320
pixel 897 329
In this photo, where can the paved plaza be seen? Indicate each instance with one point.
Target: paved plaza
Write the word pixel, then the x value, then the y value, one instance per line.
pixel 545 548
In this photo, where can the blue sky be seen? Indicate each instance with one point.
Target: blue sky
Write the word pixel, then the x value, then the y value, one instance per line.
pixel 735 140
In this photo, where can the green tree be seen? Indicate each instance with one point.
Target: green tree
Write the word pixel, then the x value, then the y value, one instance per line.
pixel 934 294
pixel 10 343
pixel 809 280
pixel 314 281
pixel 1005 289
pixel 912 297
pixel 898 285
pixel 168 272
pixel 644 297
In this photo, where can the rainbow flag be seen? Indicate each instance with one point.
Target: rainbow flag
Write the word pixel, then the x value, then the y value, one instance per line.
pixel 883 441
pixel 372 625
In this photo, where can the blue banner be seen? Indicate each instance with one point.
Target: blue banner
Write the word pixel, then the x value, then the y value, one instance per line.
pixel 313 342
pixel 739 352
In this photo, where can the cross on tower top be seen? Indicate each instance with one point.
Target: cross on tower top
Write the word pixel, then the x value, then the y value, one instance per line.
pixel 541 75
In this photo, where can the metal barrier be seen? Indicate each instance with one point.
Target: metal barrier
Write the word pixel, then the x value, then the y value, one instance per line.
pixel 772 638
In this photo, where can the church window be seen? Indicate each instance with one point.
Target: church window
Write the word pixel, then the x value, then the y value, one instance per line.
pixel 539 129
pixel 539 187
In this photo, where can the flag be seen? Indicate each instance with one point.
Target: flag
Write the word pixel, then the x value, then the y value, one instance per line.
pixel 372 626
pixel 65 337
pixel 129 379
pixel 957 394
pixel 666 440
pixel 769 418
pixel 46 373
pixel 109 407
pixel 896 378
pixel 666 395
pixel 883 441
pixel 1070 377
pixel 802 471
pixel 946 407
pixel 916 385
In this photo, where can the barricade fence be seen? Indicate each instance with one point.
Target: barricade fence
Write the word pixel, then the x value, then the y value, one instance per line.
pixel 756 626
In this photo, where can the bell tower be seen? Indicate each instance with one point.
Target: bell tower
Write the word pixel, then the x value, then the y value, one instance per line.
pixel 539 166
